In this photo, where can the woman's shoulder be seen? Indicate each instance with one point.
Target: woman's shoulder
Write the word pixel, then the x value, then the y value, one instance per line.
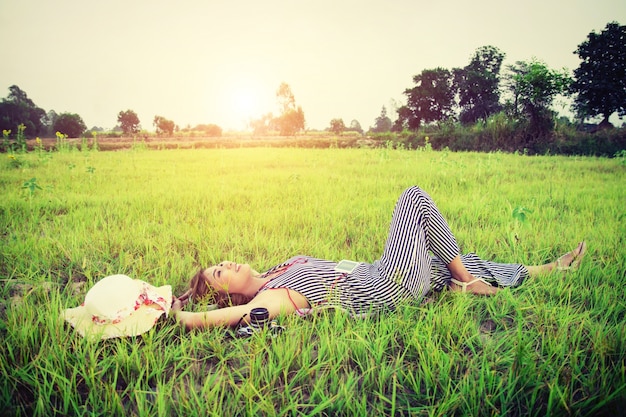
pixel 279 300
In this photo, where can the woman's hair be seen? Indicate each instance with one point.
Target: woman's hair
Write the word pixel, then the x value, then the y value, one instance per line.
pixel 199 290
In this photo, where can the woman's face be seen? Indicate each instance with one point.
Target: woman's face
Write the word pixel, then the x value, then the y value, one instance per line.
pixel 228 277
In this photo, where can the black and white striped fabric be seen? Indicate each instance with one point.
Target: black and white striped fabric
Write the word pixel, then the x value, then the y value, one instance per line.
pixel 405 270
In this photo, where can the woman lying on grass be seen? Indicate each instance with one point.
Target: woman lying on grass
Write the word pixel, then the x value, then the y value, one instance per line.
pixel 405 271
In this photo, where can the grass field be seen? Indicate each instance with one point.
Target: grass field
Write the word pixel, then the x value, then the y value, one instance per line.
pixel 554 346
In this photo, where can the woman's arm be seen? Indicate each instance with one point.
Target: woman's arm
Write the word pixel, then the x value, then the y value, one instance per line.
pixel 276 301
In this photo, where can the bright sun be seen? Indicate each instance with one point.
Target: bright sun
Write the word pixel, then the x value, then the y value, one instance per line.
pixel 245 103
pixel 246 98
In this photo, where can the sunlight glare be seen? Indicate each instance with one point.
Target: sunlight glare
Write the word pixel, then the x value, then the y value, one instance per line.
pixel 245 102
pixel 245 97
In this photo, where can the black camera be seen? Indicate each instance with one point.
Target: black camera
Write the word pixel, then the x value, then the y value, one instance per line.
pixel 259 320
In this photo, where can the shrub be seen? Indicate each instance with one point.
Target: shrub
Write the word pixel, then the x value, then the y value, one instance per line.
pixel 70 124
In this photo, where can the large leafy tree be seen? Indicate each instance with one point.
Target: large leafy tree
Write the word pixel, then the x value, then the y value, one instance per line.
pixel 163 126
pixel 430 100
pixel 600 80
pixel 355 126
pixel 17 108
pixel 290 122
pixel 70 124
pixel 291 119
pixel 533 87
pixel 477 84
pixel 129 122
pixel 382 123
pixel 337 126
pixel 262 125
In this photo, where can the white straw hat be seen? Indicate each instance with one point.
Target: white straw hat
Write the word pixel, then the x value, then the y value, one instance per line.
pixel 118 306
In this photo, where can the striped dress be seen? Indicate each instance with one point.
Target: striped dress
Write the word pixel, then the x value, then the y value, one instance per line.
pixel 418 248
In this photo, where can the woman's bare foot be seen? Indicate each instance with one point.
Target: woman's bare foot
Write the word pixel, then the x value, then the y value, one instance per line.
pixel 572 259
pixel 567 262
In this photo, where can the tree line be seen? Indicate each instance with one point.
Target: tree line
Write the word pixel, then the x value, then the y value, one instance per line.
pixel 514 105
pixel 518 101
pixel 18 113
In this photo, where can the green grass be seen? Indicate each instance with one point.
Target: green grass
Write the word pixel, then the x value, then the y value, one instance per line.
pixel 554 346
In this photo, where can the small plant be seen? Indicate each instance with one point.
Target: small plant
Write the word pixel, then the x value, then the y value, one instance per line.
pixel 31 186
pixel 6 141
pixel 41 150
pixel 94 143
pixel 427 145
pixel 21 138
pixel 139 145
pixel 91 169
pixel 621 156
pixel 62 144
pixel 14 160
pixel 519 213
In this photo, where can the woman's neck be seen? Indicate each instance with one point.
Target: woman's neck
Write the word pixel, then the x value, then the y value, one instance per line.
pixel 255 285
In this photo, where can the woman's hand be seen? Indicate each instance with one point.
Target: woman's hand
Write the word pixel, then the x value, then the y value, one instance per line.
pixel 177 305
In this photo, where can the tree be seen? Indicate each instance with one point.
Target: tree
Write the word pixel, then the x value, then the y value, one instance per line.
pixel 382 123
pixel 477 85
pixel 285 98
pixel 209 129
pixel 70 124
pixel 430 100
pixel 337 126
pixel 290 122
pixel 534 87
pixel 600 80
pixel 163 126
pixel 18 109
pixel 291 119
pixel 355 126
pixel 49 121
pixel 129 122
pixel 262 125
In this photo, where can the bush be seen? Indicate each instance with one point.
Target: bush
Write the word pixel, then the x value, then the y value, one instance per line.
pixel 70 124
pixel 503 133
pixel 209 129
pixel 601 143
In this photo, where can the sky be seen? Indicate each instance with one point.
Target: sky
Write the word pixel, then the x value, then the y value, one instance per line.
pixel 221 61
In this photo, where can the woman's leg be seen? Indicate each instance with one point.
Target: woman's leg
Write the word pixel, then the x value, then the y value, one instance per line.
pixel 485 276
pixel 418 228
pixel 460 273
pixel 500 274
